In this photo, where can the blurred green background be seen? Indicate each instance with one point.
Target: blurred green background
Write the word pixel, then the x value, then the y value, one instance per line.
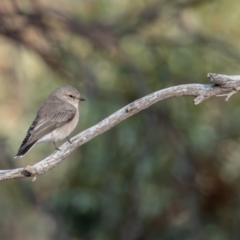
pixel 169 172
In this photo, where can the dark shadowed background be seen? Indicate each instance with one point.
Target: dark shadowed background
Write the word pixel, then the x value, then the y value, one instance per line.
pixel 170 172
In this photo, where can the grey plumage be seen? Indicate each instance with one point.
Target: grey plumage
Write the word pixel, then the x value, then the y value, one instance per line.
pixel 55 120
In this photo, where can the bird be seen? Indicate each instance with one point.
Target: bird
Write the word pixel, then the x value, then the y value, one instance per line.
pixel 55 120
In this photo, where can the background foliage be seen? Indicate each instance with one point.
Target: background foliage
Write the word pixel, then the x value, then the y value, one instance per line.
pixel 169 172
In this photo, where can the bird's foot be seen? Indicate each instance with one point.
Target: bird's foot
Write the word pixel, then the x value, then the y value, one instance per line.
pixel 56 148
pixel 69 140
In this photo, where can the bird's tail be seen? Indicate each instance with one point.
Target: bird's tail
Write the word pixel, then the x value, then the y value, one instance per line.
pixel 25 147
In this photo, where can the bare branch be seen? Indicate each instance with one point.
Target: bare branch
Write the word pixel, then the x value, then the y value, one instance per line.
pixel 223 85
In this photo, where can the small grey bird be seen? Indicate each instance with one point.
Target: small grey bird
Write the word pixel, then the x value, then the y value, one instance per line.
pixel 55 120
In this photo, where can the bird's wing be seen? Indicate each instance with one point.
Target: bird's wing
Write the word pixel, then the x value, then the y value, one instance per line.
pixel 51 116
pixel 48 120
pixel 48 124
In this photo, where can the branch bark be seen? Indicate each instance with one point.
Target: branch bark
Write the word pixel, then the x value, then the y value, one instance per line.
pixel 223 85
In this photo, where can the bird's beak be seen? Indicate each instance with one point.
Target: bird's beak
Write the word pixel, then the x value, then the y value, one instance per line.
pixel 81 99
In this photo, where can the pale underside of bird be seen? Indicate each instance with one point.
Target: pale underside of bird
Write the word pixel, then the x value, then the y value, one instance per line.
pixel 55 120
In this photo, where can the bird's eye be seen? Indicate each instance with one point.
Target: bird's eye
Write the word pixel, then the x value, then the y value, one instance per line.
pixel 71 96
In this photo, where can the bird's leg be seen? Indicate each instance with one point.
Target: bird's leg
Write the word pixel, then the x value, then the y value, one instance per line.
pixel 56 148
pixel 69 140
